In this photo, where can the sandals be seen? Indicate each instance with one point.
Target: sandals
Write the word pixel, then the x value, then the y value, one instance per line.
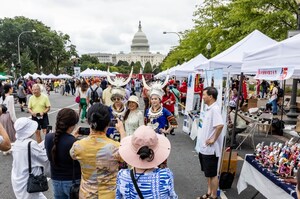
pixel 205 196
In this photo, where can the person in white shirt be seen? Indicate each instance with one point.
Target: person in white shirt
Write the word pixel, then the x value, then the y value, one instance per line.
pixel 133 117
pixel 8 116
pixel 240 125
pixel 209 141
pixel 25 128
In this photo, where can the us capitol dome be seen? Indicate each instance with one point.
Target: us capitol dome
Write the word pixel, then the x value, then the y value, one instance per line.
pixel 140 42
pixel 140 51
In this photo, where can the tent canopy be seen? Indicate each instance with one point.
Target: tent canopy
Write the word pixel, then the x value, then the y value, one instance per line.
pixel 231 59
pixel 282 54
pixel 188 67
pixel 92 72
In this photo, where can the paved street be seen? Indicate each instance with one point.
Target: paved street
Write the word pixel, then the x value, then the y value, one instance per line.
pixel 183 161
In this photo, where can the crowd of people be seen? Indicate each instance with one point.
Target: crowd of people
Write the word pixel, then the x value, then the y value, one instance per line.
pixel 100 161
pixel 124 154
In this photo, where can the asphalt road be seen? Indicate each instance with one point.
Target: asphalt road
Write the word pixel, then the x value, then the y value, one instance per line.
pixel 183 161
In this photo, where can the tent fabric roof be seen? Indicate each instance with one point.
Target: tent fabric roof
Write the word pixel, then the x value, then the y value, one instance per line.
pixel 282 54
pixel 231 59
pixel 188 67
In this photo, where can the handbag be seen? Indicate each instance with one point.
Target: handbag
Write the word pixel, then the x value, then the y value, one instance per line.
pixel 135 185
pixel 36 183
pixel 74 189
pixel 77 99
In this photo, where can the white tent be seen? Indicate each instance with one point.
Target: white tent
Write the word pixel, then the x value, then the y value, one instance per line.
pixel 3 77
pixel 231 59
pixel 35 75
pixel 282 54
pixel 27 75
pixel 51 76
pixel 64 76
pixel 188 67
pixel 166 72
pixel 92 72
pixel 43 76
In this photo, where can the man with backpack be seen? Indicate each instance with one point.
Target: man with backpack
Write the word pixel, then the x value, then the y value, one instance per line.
pixel 94 93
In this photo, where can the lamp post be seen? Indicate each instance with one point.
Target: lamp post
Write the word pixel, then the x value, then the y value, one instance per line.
pixel 292 114
pixel 19 55
pixel 208 47
pixel 13 69
pixel 174 33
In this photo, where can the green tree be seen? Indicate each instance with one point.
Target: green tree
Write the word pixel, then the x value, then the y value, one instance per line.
pixel 46 47
pixel 224 23
pixel 147 68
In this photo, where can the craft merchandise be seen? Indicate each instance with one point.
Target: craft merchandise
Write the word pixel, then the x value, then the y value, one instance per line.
pixel 281 159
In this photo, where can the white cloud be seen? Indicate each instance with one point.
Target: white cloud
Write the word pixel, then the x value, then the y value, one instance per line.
pixel 108 25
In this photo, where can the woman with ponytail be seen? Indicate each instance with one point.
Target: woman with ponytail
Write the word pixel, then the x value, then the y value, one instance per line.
pixel 145 150
pixel 8 114
pixel 98 155
pixel 58 145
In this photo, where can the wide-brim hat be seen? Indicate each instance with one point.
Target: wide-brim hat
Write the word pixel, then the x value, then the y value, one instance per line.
pixel 145 136
pixel 25 128
pixel 135 99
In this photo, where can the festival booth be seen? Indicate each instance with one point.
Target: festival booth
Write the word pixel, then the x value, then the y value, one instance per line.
pixel 164 73
pixel 97 73
pixel 188 67
pixel 229 62
pixel 275 165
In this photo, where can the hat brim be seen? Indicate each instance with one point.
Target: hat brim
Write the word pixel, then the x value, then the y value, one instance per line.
pixel 23 134
pixel 130 156
pixel 132 101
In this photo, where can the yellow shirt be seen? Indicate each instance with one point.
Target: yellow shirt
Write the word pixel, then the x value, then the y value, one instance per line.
pixel 39 104
pixel 56 84
pixel 99 161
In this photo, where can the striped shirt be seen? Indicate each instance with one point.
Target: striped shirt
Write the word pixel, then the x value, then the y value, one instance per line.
pixel 158 184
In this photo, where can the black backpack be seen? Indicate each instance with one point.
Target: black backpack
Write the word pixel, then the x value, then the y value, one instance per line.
pixel 94 95
pixel 280 92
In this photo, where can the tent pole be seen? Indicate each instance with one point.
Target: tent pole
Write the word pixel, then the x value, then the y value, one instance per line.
pixel 236 110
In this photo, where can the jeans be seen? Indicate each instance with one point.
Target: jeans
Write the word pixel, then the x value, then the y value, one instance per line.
pixel 274 106
pixel 61 189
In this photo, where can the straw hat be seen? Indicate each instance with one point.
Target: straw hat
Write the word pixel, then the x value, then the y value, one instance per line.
pixel 144 136
pixel 25 128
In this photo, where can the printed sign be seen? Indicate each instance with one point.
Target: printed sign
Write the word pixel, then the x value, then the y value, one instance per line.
pixel 274 73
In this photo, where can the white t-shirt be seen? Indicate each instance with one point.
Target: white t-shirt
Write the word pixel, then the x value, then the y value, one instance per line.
pixel 211 118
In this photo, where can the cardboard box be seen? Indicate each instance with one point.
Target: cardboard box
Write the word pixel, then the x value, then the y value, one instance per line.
pixel 233 162
pixel 252 103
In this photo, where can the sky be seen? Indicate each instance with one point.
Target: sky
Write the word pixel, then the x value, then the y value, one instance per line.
pixel 108 26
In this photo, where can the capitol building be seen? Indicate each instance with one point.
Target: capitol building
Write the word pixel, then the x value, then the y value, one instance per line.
pixel 140 51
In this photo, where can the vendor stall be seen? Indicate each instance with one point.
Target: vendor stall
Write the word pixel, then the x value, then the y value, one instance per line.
pixel 266 182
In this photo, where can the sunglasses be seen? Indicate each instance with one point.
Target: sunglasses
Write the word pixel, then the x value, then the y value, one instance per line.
pixel 116 99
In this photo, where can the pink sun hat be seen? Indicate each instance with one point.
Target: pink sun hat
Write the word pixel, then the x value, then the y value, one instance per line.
pixel 145 136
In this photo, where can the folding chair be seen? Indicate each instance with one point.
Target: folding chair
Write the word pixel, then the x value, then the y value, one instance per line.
pixel 248 133
pixel 284 105
pixel 266 125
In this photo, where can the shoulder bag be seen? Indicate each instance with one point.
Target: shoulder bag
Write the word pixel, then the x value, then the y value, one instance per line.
pixel 74 190
pixel 135 185
pixel 36 183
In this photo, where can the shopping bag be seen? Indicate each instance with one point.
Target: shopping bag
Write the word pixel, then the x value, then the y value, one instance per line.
pixel 77 99
pixel 226 180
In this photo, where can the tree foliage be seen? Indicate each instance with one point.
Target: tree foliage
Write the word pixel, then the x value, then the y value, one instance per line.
pixel 224 23
pixel 45 47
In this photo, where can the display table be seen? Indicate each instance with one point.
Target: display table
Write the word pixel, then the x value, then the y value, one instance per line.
pixel 262 180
